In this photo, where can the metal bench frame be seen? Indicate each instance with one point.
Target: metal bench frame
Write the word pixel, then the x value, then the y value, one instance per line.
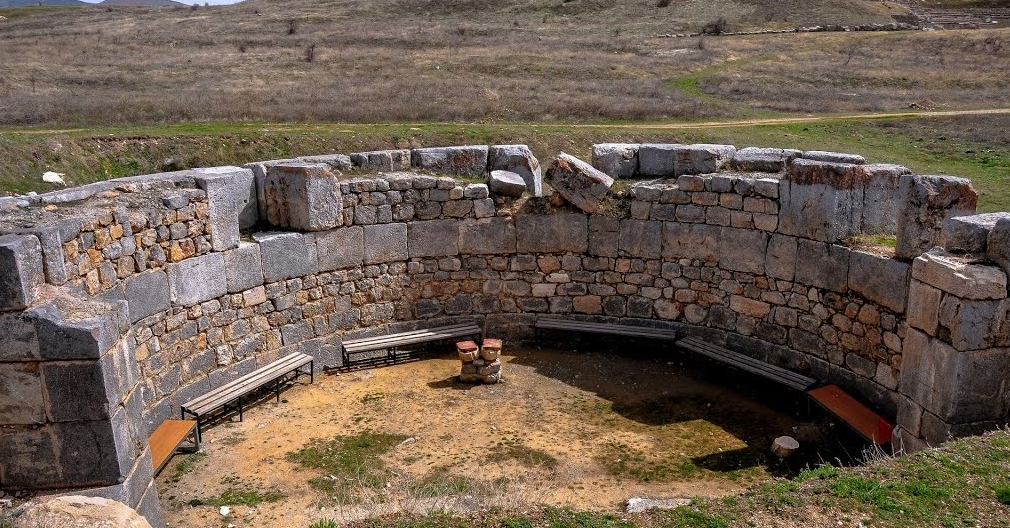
pixel 228 397
pixel 394 342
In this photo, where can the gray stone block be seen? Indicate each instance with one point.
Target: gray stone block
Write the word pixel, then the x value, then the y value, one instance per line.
pixel 973 324
pixel 53 263
pixel 617 160
pixel 834 157
pixel 641 239
pixel 487 236
pixel 924 307
pixel 231 200
pixel 243 267
pixel 21 397
pixel 61 339
pixel 969 234
pixel 80 390
pixel 150 507
pixel 702 158
pixel 926 201
pixel 337 162
pixel 506 183
pixel 520 160
pixel 691 241
pixel 469 160
pixel 89 454
pixel 743 250
pixel 780 261
pixel 578 182
pixel 959 277
pixel 28 458
pixel 147 294
pixel 557 233
pixel 822 265
pixel 882 280
pixel 385 243
pixel 604 235
pixel 821 201
pixel 382 160
pixel 19 341
pixel 433 238
pixel 21 271
pixel 287 255
pixel 763 159
pixel 881 197
pixel 197 279
pixel 657 160
pixel 304 196
pixel 998 244
pixel 340 248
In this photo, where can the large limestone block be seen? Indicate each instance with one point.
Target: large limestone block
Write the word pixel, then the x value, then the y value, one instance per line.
pixel 998 244
pixel 21 272
pixel 518 159
pixel 337 162
pixel 231 201
pixel 755 159
pixel 385 243
pixel 924 307
pixel 578 182
pixel 957 276
pixel 506 183
pixel 604 235
pixel 487 236
pixel 287 255
pixel 974 324
pixel 147 294
pixel 743 250
pixel 556 233
pixel 834 157
pixel 470 160
pixel 20 341
pixel 657 160
pixel 821 201
pixel 433 238
pixel 303 196
pixel 81 512
pixel 21 398
pixel 641 239
pixel 382 160
pixel 822 265
pixel 617 160
pixel 926 201
pixel 882 280
pixel 702 158
pixel 691 241
pixel 881 197
pixel 780 261
pixel 243 267
pixel 197 279
pixel 969 234
pixel 86 333
pixel 340 248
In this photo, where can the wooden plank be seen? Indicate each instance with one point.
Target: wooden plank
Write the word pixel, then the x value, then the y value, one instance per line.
pixel 247 383
pixel 166 438
pixel 369 344
pixel 863 420
pixel 604 328
pixel 744 362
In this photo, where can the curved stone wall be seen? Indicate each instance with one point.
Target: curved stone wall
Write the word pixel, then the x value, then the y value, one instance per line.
pixel 136 295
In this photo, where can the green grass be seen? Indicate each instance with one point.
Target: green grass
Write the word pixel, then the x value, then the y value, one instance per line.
pixel 348 464
pixel 513 449
pixel 186 465
pixel 324 523
pixel 235 497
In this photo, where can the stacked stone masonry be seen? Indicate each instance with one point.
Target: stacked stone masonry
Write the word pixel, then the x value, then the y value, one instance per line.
pixel 136 295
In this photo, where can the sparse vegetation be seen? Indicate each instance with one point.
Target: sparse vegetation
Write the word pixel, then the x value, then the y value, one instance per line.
pixel 348 464
pixel 238 497
pixel 186 465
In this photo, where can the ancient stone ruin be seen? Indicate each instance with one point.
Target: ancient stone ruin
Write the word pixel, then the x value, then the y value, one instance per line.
pixel 122 299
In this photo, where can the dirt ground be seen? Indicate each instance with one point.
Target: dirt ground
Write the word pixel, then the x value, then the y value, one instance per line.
pixel 585 430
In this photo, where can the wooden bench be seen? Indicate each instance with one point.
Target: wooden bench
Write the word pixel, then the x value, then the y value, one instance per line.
pixel 862 420
pixel 569 325
pixel 229 397
pixel 168 438
pixel 746 363
pixel 391 342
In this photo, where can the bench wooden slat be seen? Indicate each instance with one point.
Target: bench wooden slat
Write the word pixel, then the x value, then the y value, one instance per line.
pixel 166 439
pixel 604 328
pixel 744 362
pixel 247 383
pixel 863 420
pixel 409 338
pixel 423 331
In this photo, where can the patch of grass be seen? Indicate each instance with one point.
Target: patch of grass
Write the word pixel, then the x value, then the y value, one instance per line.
pixel 822 472
pixel 324 523
pixel 236 497
pixel 372 397
pixel 1003 494
pixel 186 465
pixel 624 461
pixel 694 517
pixel 513 449
pixel 348 463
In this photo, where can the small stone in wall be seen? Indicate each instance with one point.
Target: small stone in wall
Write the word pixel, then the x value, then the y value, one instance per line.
pixel 578 182
pixel 506 183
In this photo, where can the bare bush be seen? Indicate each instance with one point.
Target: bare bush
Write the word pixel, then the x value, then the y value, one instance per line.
pixel 310 53
pixel 715 27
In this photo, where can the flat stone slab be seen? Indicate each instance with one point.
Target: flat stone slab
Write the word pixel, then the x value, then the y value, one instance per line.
pixel 518 159
pixel 702 158
pixel 617 160
pixel 469 160
pixel 642 504
pixel 957 277
pixel 763 159
pixel 834 157
pixel 578 182
pixel 506 183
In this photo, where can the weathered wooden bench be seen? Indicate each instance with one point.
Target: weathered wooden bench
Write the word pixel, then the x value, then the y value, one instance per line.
pixel 392 342
pixel 859 417
pixel 548 322
pixel 167 439
pixel 746 363
pixel 228 397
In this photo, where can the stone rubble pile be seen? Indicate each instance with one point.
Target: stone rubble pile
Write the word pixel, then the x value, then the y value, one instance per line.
pixel 480 365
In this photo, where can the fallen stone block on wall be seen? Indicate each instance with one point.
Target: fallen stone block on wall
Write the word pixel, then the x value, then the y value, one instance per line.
pixel 702 158
pixel 303 196
pixel 834 157
pixel 506 183
pixel 470 160
pixel 926 201
pixel 21 274
pixel 969 234
pixel 617 160
pixel 518 159
pixel 578 182
pixel 763 159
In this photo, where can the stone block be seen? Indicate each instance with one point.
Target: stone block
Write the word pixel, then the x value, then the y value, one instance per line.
pixel 518 159
pixel 53 264
pixel 754 159
pixel 506 183
pixel 556 233
pixel 79 390
pixel 926 201
pixel 28 458
pixel 834 157
pixel 337 162
pixel 973 324
pixel 998 244
pixel 21 271
pixel 433 238
pixel 87 336
pixel 89 454
pixel 691 241
pixel 21 398
pixel 487 236
pixel 924 307
pixel 197 279
pixel 969 234
pixel 743 250
pixel 641 239
pixel 604 235
pixel 243 267
pixel 780 261
pixel 147 293
pixel 469 160
pixel 231 201
pixel 20 341
pixel 881 197
pixel 617 160
pixel 821 201
pixel 578 182
pixel 880 279
pixel 957 276
pixel 340 248
pixel 303 196
pixel 382 160
pixel 287 255
pixel 702 158
pixel 657 160
pixel 822 265
pixel 385 243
